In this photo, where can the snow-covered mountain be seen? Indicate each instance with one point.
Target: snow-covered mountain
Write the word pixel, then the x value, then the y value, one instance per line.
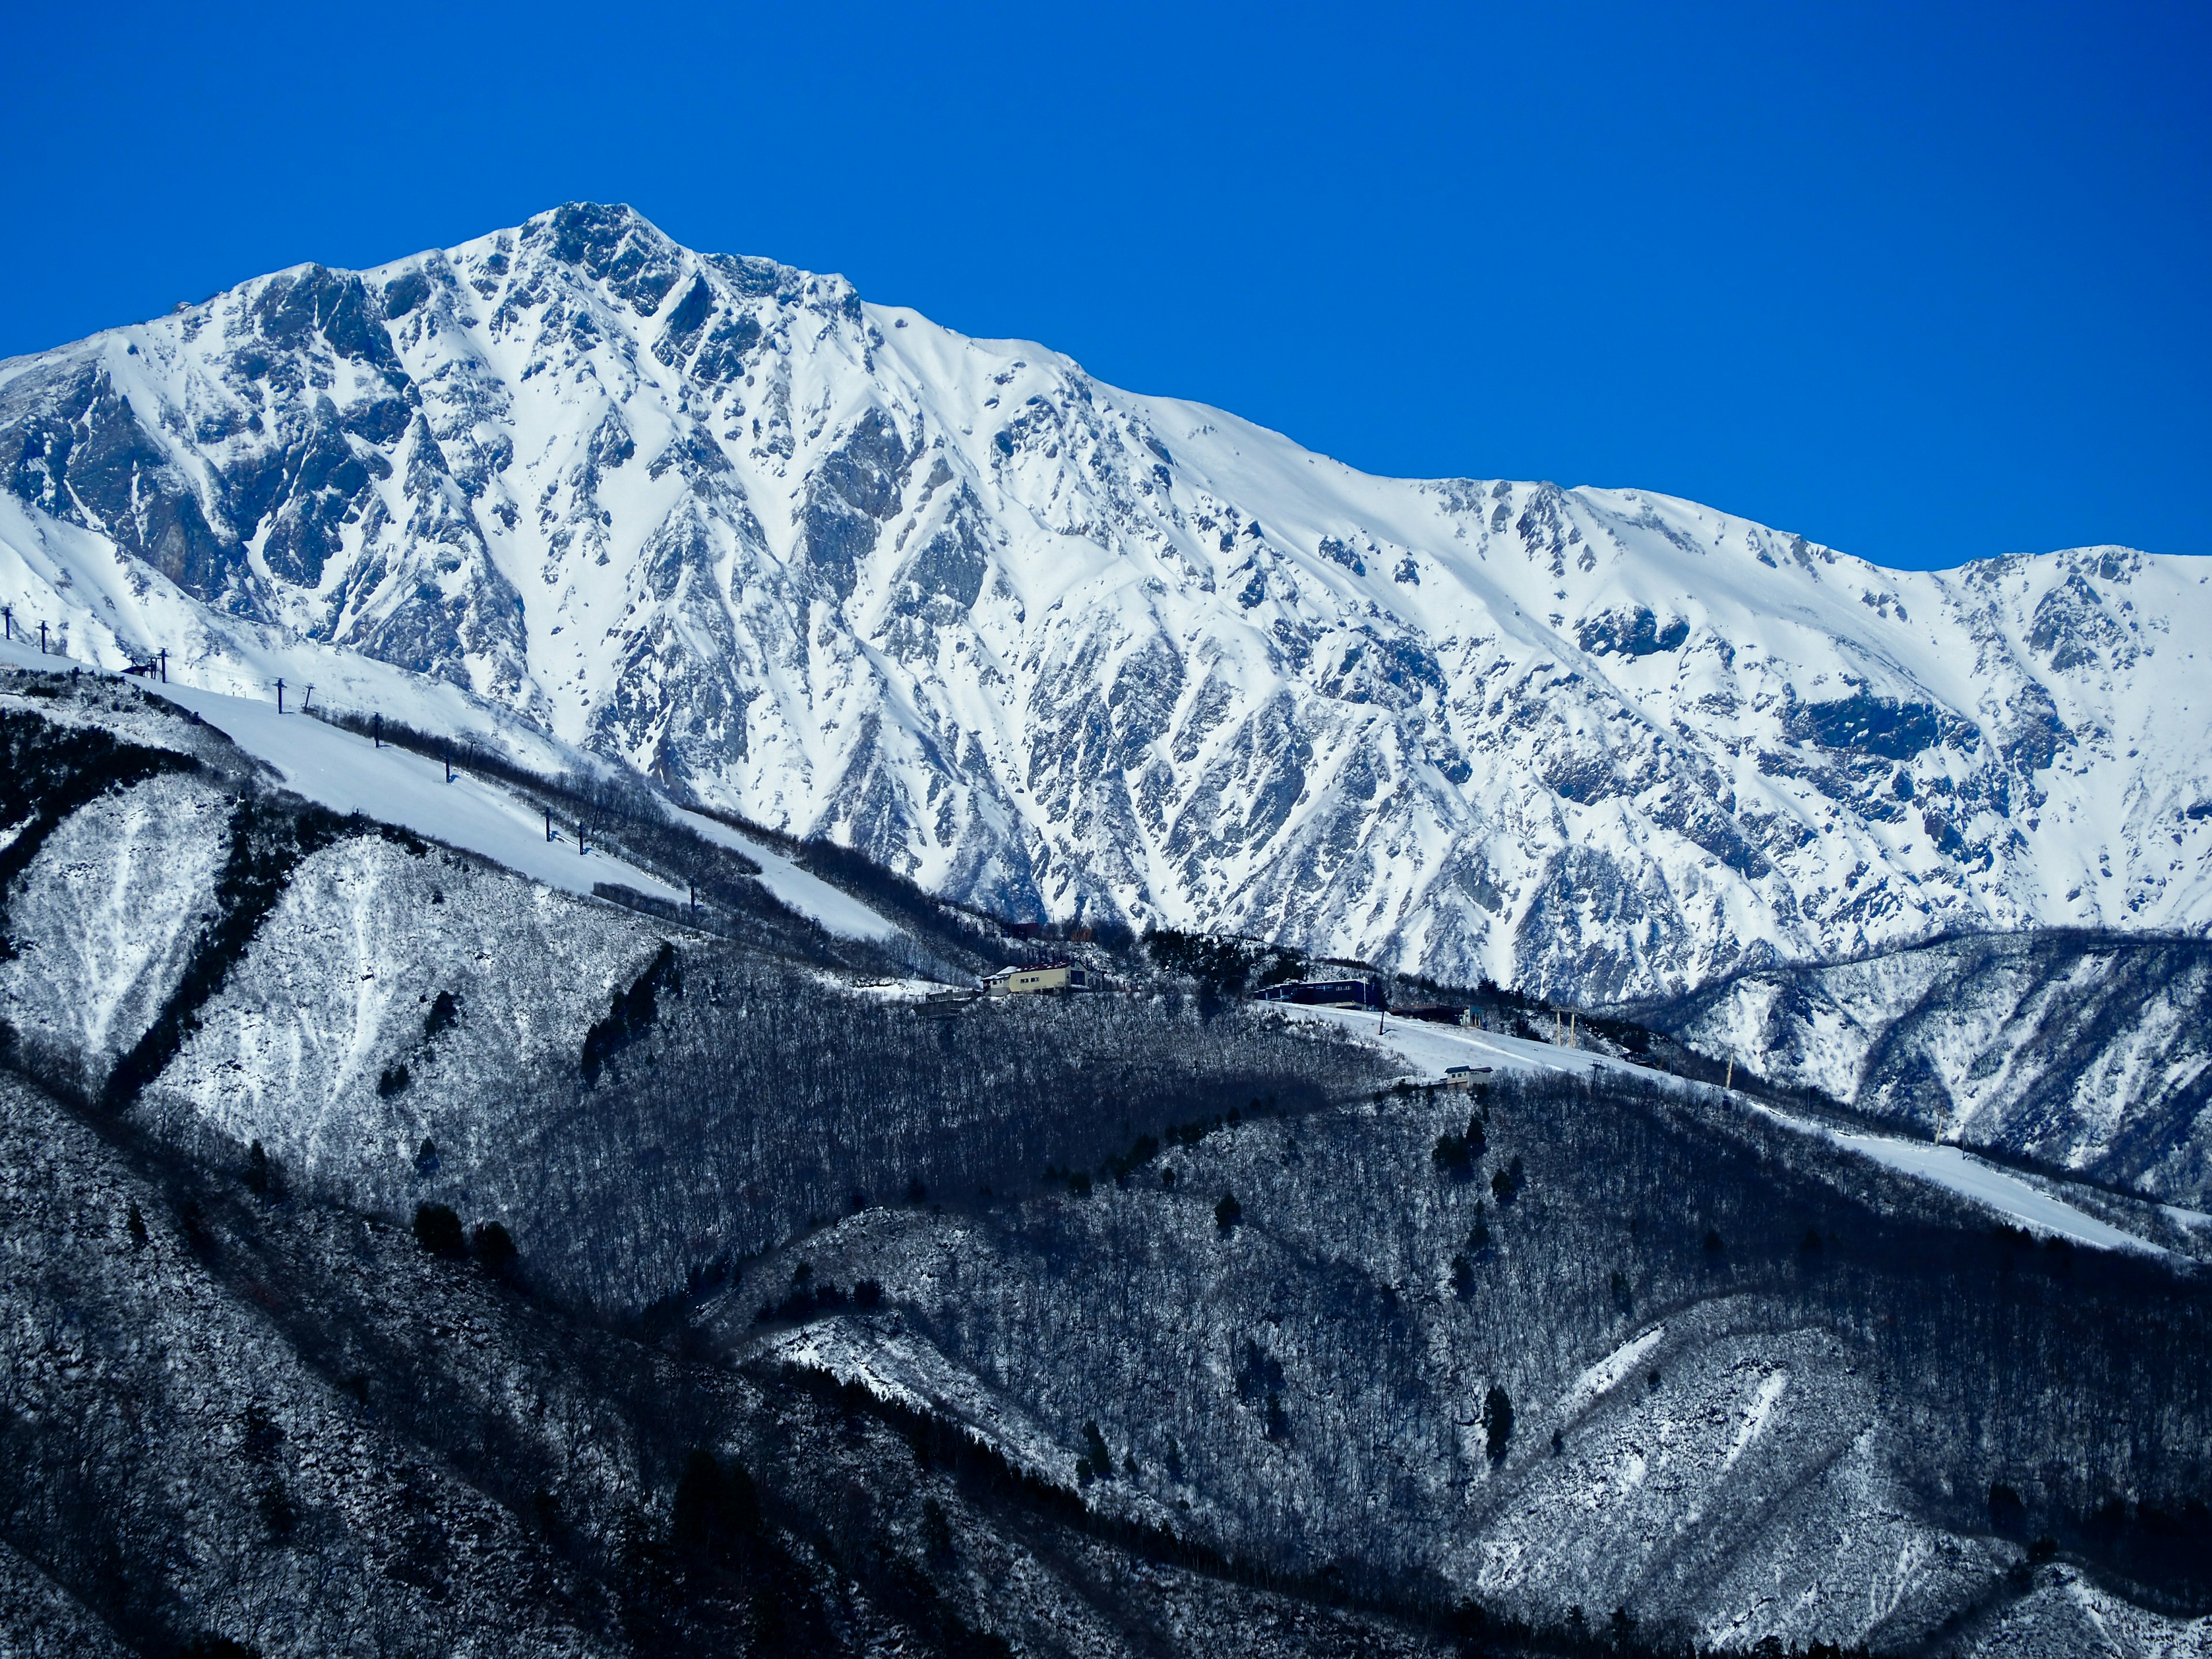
pixel 1058 649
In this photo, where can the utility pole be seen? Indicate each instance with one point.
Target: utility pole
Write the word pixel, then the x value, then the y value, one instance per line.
pixel 279 696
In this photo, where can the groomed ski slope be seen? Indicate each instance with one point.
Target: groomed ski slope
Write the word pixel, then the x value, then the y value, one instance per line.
pixel 1435 1048
pixel 334 768
pixel 346 773
pixel 835 909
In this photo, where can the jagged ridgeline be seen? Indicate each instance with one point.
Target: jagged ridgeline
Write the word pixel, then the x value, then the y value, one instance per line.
pixel 1056 650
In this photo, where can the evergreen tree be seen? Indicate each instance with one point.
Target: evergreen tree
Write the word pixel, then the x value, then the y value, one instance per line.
pixel 1498 1423
pixel 1094 1447
pixel 494 1249
pixel 438 1230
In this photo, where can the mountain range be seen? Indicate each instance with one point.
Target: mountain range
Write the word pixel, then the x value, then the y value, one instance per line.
pixel 1056 650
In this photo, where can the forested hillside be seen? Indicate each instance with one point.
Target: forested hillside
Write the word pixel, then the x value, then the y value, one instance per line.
pixel 2078 1051
pixel 402 1254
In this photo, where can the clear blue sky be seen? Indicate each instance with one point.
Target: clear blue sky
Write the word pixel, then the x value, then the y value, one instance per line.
pixel 1926 282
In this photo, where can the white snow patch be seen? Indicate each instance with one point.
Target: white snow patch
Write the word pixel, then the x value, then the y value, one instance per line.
pixel 1604 1377
pixel 2007 1194
pixel 1437 1049
pixel 1762 1412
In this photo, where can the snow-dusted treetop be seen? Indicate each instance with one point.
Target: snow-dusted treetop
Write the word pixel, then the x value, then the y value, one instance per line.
pixel 1056 647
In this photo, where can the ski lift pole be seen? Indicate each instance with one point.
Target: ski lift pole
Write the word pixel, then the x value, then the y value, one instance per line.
pixel 8 619
pixel 280 695
pixel 376 730
pixel 165 665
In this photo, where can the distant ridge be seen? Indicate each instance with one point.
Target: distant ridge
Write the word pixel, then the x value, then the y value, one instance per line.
pixel 1057 649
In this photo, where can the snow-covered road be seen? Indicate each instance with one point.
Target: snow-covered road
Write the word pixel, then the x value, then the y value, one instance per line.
pixel 797 889
pixel 1434 1048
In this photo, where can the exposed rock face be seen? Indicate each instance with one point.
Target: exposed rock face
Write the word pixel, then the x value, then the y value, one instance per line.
pixel 1052 648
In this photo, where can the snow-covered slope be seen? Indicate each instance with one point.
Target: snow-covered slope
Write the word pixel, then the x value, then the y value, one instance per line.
pixel 1059 648
pixel 349 774
pixel 2087 1052
pixel 1633 1346
pixel 104 919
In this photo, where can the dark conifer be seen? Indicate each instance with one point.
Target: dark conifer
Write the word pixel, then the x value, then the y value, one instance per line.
pixel 494 1249
pixel 1094 1448
pixel 1498 1423
pixel 438 1230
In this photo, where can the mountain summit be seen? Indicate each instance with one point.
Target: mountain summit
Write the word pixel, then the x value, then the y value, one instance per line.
pixel 1060 649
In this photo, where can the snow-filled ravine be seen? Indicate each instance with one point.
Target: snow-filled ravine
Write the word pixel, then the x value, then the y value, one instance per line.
pixel 1437 1049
